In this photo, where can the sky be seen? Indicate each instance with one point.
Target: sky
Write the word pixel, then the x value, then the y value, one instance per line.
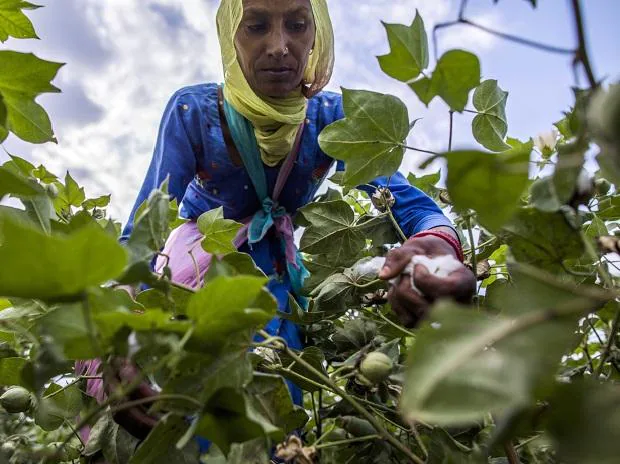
pixel 125 59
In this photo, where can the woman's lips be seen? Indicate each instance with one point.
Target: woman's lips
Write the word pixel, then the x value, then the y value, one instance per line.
pixel 278 73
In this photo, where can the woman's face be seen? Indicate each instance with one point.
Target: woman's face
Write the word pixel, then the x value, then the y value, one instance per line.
pixel 273 44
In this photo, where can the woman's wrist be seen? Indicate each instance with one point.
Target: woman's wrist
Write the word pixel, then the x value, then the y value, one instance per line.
pixel 448 236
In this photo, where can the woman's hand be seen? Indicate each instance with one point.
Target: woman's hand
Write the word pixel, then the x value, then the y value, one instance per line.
pixel 410 306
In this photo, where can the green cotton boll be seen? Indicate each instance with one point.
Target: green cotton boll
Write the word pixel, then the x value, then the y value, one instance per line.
pixel 16 400
pixel 376 367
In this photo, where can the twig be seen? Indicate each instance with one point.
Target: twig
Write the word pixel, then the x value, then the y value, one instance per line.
pixel 581 54
pixel 610 342
pixel 511 453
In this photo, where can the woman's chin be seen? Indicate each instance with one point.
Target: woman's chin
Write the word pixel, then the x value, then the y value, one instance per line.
pixel 279 89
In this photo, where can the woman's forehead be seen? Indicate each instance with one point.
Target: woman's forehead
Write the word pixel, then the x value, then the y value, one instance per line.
pixel 276 5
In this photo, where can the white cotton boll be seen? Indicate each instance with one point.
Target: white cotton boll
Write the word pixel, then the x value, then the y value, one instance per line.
pixel 370 266
pixel 440 266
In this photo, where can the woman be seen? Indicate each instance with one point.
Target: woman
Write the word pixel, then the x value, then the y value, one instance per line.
pixel 251 147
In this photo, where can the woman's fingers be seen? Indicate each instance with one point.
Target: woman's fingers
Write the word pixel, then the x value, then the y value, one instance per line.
pixel 409 306
pixel 396 261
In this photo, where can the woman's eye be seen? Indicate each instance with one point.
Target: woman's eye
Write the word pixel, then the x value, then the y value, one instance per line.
pixel 297 26
pixel 257 28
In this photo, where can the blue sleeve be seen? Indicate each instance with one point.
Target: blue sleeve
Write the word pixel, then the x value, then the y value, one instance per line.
pixel 174 157
pixel 413 210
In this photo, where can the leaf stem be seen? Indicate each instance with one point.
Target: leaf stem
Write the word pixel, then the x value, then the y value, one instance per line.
pixel 474 258
pixel 406 332
pixel 400 232
pixel 451 126
pixel 282 345
pixel 581 54
pixel 429 152
pixel 348 441
pixel 610 343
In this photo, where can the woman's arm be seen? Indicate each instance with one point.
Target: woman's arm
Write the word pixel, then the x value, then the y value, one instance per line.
pixel 174 157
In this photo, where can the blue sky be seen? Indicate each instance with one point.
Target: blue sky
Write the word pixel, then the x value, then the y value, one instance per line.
pixel 125 58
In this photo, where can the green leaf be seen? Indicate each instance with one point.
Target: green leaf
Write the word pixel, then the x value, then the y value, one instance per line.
pixel 160 446
pixel 151 226
pixel 99 202
pixel 272 399
pixel 465 364
pixel 491 184
pixel 490 126
pixel 543 195
pixel 13 22
pixel 571 157
pixel 541 239
pixel 116 444
pixel 218 232
pixel 312 355
pixel 68 329
pixel 424 89
pixel 370 137
pixel 230 305
pixel 73 194
pixel 331 232
pixel 426 183
pixel 23 76
pixel 334 294
pixel 11 372
pixel 596 228
pixel 604 120
pixel 109 323
pixel 609 208
pixel 585 422
pixel 408 50
pixel 230 418
pixel 456 74
pixel 36 265
pixel 67 401
pixel 17 186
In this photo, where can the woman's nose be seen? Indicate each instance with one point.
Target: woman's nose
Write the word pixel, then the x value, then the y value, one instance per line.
pixel 277 46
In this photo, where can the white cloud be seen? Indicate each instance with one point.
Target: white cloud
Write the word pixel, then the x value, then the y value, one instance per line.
pixel 140 51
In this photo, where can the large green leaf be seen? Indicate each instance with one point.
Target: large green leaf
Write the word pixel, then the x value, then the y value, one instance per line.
pixel 218 232
pixel 542 239
pixel 230 418
pixel 490 125
pixel 604 121
pixel 13 22
pixel 408 55
pixel 585 422
pixel 370 137
pixel 466 363
pixel 23 76
pixel 491 184
pixel 331 232
pixel 456 74
pixel 36 265
pixel 230 305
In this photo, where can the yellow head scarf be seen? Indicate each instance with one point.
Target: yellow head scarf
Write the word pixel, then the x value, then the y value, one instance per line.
pixel 275 120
